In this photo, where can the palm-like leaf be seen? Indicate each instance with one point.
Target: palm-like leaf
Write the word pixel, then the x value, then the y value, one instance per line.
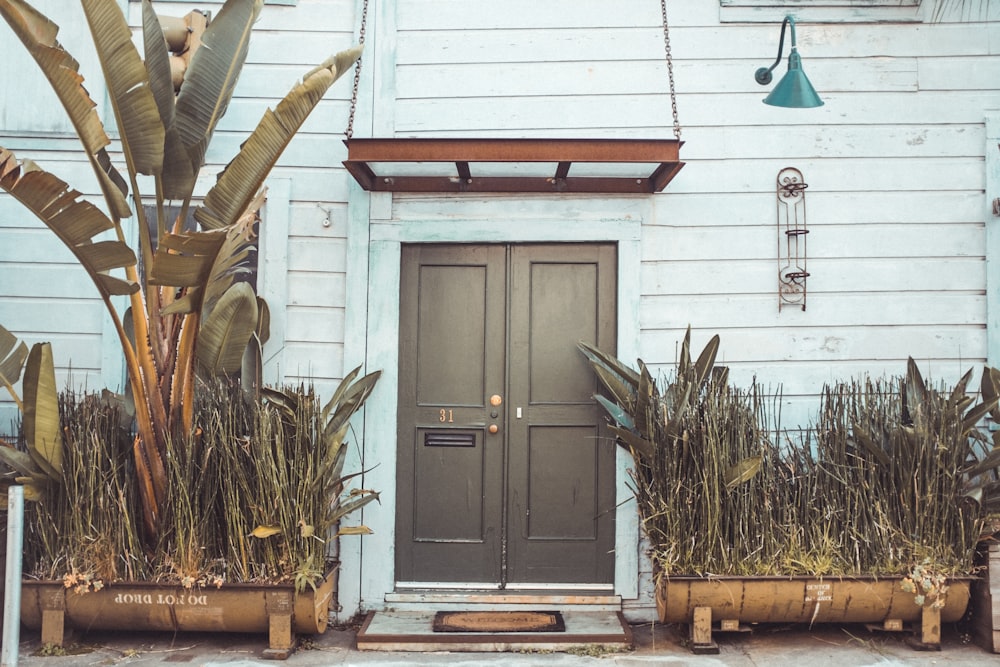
pixel 742 471
pixel 243 177
pixel 350 402
pixel 41 411
pixel 209 82
pixel 223 336
pixel 185 259
pixel 75 221
pixel 139 125
pixel 178 173
pixel 12 355
pixel 38 34
pixel 616 412
pixel 234 253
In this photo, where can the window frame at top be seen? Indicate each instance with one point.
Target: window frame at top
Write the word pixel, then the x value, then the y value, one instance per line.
pixel 821 11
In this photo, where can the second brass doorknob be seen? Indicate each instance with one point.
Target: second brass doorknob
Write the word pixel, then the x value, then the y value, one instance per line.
pixel 494 428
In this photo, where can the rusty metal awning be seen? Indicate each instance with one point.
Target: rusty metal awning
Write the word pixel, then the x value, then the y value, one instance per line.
pixel 621 166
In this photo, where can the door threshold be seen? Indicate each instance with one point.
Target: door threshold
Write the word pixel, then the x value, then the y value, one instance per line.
pixel 502 600
pixel 605 631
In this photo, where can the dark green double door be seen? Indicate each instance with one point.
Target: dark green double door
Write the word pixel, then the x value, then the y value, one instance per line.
pixel 505 475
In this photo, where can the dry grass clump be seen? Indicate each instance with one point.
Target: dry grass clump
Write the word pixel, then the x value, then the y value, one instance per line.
pixel 256 492
pixel 893 475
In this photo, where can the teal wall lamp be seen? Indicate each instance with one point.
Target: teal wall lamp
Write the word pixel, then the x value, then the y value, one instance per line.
pixel 794 90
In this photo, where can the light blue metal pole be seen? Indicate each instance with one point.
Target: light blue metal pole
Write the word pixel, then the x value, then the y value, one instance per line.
pixel 12 583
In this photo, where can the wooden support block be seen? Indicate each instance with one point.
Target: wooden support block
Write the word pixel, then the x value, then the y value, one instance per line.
pixel 281 641
pixel 53 605
pixel 701 632
pixel 930 625
pixel 53 627
pixel 930 630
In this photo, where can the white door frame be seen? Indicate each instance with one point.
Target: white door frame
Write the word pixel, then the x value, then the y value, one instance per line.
pixel 372 339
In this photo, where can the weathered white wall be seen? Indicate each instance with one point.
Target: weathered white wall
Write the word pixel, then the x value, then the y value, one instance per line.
pixel 896 163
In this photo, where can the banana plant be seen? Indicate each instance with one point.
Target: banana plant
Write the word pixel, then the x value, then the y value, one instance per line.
pixel 651 422
pixel 636 404
pixel 186 314
pixel 938 425
pixel 42 464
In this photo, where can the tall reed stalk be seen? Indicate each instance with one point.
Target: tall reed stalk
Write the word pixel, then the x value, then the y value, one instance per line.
pixel 256 493
pixel 893 475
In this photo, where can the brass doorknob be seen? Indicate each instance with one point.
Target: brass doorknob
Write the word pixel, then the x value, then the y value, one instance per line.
pixel 496 400
pixel 494 428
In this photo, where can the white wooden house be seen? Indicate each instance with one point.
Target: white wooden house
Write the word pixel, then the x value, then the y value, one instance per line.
pixel 902 164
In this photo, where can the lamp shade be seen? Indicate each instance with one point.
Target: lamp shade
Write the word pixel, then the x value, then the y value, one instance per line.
pixel 794 90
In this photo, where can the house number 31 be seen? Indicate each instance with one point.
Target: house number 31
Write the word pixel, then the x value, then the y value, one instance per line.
pixel 446 416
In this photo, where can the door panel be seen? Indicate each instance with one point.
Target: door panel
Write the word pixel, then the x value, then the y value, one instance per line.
pixel 561 487
pixel 452 339
pixel 532 501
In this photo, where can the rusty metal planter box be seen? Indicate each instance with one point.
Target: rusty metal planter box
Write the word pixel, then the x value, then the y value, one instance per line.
pixel 732 600
pixel 250 608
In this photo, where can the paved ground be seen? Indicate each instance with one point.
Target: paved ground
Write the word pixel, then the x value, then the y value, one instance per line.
pixel 766 646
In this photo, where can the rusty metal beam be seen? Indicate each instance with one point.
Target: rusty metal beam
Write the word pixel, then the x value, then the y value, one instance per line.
pixel 664 153
pixel 511 184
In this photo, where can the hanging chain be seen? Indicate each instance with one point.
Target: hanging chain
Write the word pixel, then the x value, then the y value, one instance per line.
pixel 670 69
pixel 357 73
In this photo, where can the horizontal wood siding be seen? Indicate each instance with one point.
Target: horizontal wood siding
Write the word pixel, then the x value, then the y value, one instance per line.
pixel 895 163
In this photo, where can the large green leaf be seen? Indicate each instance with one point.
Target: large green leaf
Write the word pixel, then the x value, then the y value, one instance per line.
pixel 644 402
pixel 599 358
pixel 12 356
pixel 975 414
pixel 210 80
pixel 620 415
pixel 19 461
pixel 623 394
pixel 914 393
pixel 178 175
pixel 638 444
pixel 741 472
pixel 38 34
pixel 41 411
pixel 186 259
pixel 139 125
pixel 223 336
pixel 351 401
pixel 862 436
pixel 244 176
pixel 75 221
pixel 338 393
pixel 989 386
pixel 706 360
pixel 988 463
pixel 233 257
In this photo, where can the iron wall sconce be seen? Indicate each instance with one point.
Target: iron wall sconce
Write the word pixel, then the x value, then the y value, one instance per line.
pixel 792 231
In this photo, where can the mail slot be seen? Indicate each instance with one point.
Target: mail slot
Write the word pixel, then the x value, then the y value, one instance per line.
pixel 449 439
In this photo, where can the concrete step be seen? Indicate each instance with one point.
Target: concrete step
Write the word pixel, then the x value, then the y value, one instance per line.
pixel 411 630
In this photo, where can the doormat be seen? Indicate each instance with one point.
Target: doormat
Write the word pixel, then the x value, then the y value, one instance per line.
pixel 499 621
